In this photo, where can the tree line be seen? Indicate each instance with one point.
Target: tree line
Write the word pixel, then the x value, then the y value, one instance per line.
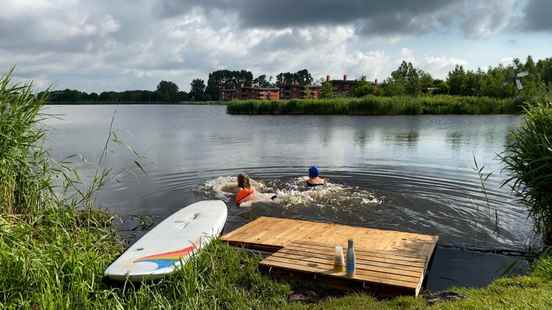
pixel 518 79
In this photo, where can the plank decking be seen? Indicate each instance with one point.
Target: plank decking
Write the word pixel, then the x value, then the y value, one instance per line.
pixel 391 260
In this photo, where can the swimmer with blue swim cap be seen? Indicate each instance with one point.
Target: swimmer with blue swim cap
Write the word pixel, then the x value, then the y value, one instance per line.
pixel 314 177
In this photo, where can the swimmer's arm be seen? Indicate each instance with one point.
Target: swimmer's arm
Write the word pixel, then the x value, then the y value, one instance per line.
pixel 246 204
pixel 260 197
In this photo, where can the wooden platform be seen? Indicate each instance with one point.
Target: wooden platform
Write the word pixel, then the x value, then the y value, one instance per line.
pixel 388 260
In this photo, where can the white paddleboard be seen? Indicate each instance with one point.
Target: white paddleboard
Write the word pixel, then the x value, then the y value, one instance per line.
pixel 174 240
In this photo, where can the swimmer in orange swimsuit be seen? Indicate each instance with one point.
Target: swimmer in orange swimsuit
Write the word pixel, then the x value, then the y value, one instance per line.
pixel 246 192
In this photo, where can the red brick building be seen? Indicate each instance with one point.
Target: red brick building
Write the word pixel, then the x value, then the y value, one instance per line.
pixel 229 94
pixel 250 93
pixel 258 93
pixel 300 92
pixel 342 87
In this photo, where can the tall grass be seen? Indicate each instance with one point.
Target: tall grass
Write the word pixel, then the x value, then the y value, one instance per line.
pixel 372 105
pixel 528 158
pixel 22 164
pixel 55 246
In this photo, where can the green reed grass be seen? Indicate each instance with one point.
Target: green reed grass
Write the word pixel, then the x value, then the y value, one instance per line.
pixel 21 162
pixel 528 158
pixel 372 105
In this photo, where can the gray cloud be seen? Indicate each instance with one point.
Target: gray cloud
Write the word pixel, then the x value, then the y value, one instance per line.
pixel 128 44
pixel 286 13
pixel 375 17
pixel 538 16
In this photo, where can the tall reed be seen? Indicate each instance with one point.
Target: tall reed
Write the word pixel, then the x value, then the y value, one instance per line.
pixel 528 159
pixel 372 105
pixel 22 163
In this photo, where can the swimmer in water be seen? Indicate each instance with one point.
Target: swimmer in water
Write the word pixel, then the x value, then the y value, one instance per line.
pixel 314 177
pixel 246 192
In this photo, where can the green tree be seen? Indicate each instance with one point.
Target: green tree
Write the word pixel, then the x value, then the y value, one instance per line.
pixel 498 82
pixel 441 87
pixel 472 83
pixel 362 88
pixel 407 80
pixel 167 91
pixel 530 65
pixel 425 81
pixel 392 87
pixel 183 96
pixel 300 78
pixel 197 92
pixel 261 81
pixel 544 68
pixel 456 80
pixel 222 79
pixel 327 90
pixel 303 77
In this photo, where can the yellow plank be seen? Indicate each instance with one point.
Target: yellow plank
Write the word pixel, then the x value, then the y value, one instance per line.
pixel 366 260
pixel 384 254
pixel 361 265
pixel 359 276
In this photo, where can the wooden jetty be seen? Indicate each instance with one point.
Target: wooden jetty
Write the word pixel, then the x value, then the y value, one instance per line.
pixel 388 262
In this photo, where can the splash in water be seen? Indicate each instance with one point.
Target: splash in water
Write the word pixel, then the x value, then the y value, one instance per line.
pixel 294 193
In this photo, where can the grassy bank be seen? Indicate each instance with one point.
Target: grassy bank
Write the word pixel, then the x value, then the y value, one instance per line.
pixel 373 105
pixel 54 246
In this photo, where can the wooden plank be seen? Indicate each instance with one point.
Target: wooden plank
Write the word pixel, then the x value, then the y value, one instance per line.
pixel 383 254
pixel 263 231
pixel 367 259
pixel 362 247
pixel 360 264
pixel 359 275
pixel 360 259
pixel 392 261
pixel 342 275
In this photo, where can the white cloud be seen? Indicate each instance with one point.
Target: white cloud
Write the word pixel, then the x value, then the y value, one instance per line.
pixel 506 60
pixel 439 66
pixel 408 55
pixel 105 44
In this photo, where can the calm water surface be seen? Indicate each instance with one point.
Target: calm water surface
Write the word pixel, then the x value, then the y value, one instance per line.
pixel 421 167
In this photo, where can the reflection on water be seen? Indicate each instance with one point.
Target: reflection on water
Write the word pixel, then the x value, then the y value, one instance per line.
pixel 421 167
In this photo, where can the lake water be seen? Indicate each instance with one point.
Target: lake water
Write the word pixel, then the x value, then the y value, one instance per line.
pixel 409 173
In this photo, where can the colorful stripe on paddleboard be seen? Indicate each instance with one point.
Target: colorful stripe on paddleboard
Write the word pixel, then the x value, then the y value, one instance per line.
pixel 167 259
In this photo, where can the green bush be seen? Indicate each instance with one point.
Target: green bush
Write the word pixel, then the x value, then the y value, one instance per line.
pixel 528 158
pixel 373 105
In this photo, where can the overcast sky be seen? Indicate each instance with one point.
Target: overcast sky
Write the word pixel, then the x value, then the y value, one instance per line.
pixel 133 44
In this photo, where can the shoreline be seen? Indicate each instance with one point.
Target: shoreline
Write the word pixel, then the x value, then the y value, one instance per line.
pixel 220 103
pixel 372 105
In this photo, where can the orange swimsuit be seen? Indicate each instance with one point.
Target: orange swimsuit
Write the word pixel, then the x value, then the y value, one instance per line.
pixel 244 194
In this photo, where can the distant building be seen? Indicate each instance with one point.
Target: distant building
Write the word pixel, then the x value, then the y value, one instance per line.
pixel 342 87
pixel 260 93
pixel 300 92
pixel 250 93
pixel 228 94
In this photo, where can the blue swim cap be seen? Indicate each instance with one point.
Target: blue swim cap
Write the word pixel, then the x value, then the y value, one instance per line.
pixel 314 172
